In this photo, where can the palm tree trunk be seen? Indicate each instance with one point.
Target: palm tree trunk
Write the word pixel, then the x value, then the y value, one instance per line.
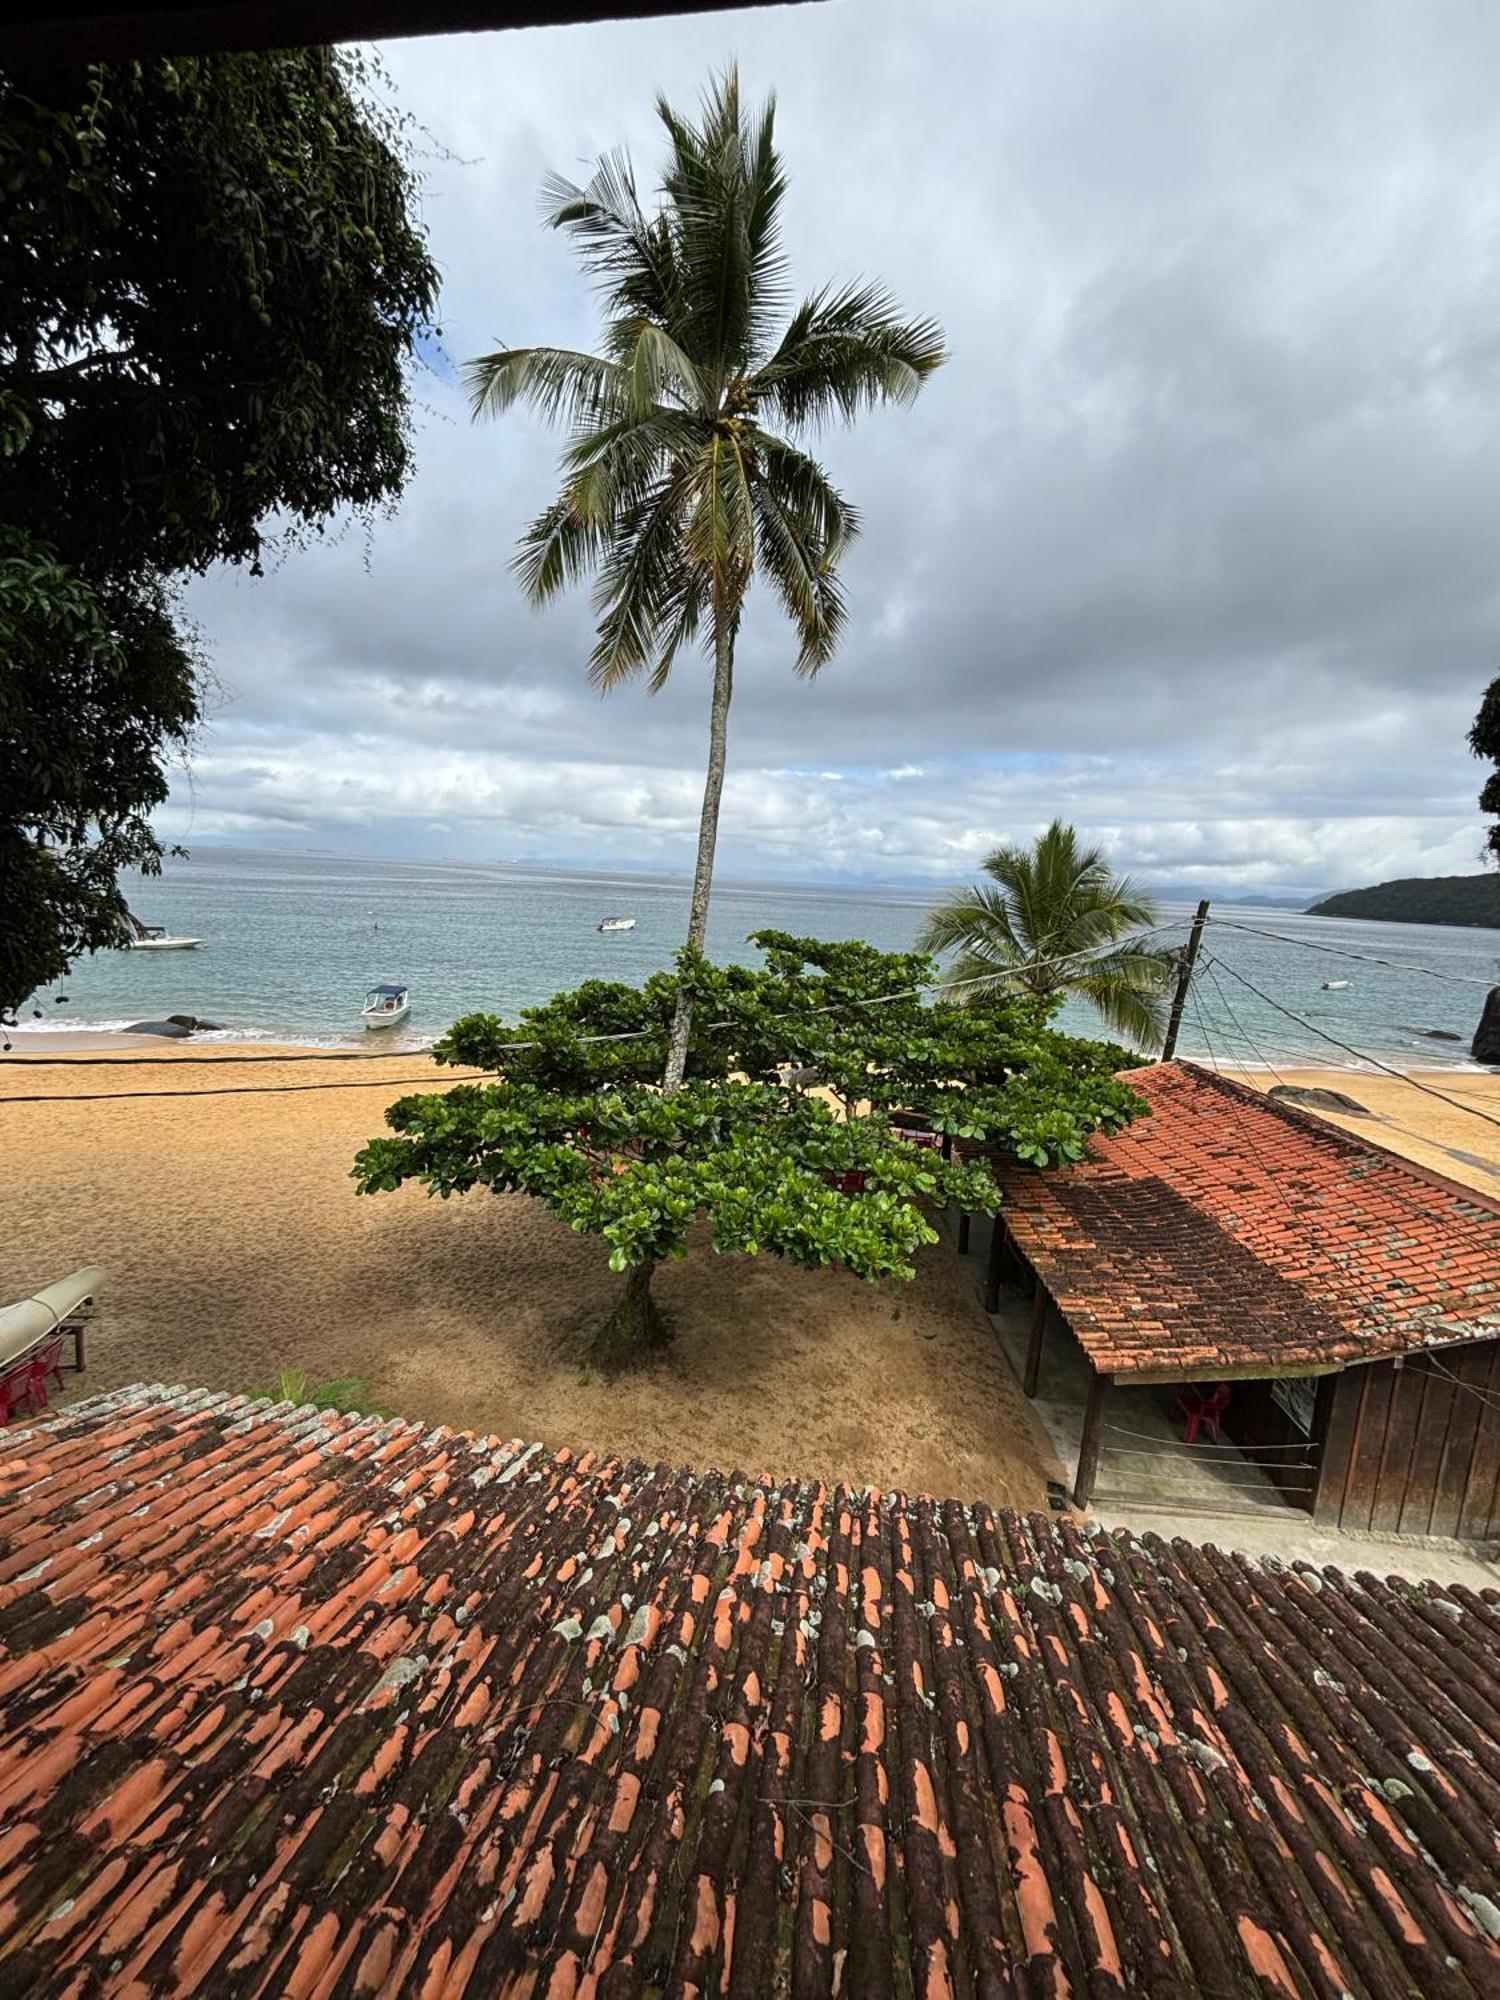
pixel 708 834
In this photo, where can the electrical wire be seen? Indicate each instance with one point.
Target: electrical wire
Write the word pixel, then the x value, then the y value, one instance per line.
pixel 1294 1058
pixel 1349 1049
pixel 1362 957
pixel 1240 1029
pixel 632 1034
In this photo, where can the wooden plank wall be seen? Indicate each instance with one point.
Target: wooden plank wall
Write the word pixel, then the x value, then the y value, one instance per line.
pixel 1410 1451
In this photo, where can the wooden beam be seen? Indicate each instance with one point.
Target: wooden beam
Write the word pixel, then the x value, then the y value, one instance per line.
pixel 1088 1444
pixel 1034 1345
pixel 996 1259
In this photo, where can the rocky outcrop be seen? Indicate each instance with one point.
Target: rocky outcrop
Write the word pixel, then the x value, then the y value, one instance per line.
pixel 1485 1046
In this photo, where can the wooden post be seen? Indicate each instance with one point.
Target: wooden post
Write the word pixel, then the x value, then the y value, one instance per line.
pixel 992 1273
pixel 1184 980
pixel 1034 1346
pixel 1088 1444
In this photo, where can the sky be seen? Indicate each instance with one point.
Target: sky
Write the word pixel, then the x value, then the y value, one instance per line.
pixel 1193 541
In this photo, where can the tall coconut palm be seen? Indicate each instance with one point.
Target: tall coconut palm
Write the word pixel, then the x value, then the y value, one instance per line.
pixel 1049 901
pixel 682 476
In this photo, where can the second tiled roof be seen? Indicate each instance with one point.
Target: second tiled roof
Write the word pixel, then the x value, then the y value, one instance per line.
pixel 1230 1230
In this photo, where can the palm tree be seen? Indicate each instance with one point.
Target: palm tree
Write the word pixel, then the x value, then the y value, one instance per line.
pixel 681 476
pixel 1049 901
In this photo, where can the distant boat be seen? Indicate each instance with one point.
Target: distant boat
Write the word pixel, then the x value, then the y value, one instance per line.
pixel 153 937
pixel 617 924
pixel 386 1006
pixel 1334 985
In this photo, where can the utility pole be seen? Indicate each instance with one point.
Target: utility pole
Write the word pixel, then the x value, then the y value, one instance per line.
pixel 1185 966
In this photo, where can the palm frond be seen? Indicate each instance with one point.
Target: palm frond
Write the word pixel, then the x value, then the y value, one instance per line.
pixel 713 208
pixel 803 487
pixel 1129 997
pixel 559 548
pixel 804 577
pixel 653 367
pixel 638 588
pixel 607 469
pixel 767 185
pixel 630 254
pixel 556 382
pixel 684 616
pixel 843 352
pixel 976 921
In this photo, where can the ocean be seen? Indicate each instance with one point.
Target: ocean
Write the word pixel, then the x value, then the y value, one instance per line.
pixel 292 942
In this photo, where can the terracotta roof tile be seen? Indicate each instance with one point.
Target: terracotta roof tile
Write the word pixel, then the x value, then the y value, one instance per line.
pixel 1230 1230
pixel 295 1703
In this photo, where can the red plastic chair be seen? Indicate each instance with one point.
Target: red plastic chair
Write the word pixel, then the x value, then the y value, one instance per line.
pixel 13 1389
pixel 27 1382
pixel 1203 1409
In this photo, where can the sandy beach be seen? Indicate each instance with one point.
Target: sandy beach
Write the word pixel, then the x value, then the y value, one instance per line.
pixel 236 1247
pixel 217 1197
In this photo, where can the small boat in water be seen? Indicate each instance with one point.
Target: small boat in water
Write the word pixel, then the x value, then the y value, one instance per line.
pixel 1334 985
pixel 617 924
pixel 154 937
pixel 385 1006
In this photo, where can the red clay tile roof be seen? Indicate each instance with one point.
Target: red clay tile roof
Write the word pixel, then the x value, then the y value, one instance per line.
pixel 301 1704
pixel 1229 1232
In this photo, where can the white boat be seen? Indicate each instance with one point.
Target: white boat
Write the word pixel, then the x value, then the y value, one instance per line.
pixel 154 937
pixel 617 924
pixel 1334 985
pixel 386 1006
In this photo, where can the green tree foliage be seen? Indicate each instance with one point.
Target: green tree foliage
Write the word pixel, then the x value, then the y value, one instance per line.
pixel 1484 741
pixel 682 477
pixel 583 1125
pixel 92 679
pixel 1057 899
pixel 210 285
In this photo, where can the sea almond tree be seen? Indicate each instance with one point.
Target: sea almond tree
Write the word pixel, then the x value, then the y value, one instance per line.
pixel 740 1158
pixel 682 475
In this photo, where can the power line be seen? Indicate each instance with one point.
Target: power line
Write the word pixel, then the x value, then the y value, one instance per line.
pixel 1363 957
pixel 1000 974
pixel 1361 1055
pixel 1296 1058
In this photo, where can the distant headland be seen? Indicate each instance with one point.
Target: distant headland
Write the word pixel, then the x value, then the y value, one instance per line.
pixel 1421 899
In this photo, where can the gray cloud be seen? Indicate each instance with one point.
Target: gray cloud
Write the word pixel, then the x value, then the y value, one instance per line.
pixel 1193 540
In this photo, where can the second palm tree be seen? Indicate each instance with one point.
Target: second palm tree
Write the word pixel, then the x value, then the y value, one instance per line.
pixel 682 477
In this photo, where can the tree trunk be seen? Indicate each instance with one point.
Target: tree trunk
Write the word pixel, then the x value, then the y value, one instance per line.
pixel 708 834
pixel 636 1328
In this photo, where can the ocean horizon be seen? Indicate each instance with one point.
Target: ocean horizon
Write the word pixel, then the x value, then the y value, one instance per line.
pixel 291 943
